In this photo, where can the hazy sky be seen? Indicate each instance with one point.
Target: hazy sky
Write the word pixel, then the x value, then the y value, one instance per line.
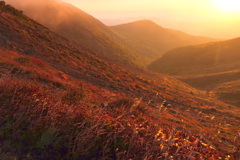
pixel 214 18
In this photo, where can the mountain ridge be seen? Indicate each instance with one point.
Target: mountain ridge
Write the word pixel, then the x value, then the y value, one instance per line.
pixel 106 42
pixel 79 27
pixel 61 101
pixel 151 40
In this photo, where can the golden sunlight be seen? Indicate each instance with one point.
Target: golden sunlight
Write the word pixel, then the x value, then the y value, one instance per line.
pixel 228 5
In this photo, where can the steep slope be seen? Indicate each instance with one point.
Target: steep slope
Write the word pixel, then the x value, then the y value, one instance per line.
pixel 27 37
pixel 207 67
pixel 57 100
pixel 78 26
pixel 151 40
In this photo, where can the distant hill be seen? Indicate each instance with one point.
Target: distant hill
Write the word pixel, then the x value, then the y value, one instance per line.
pixel 151 40
pixel 207 66
pixel 200 59
pixel 63 102
pixel 137 43
pixel 223 85
pixel 28 38
pixel 229 92
pixel 78 26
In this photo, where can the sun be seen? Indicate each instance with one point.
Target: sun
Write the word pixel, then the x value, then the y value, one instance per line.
pixel 227 5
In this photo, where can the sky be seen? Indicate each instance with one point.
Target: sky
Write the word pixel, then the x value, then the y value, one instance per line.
pixel 212 18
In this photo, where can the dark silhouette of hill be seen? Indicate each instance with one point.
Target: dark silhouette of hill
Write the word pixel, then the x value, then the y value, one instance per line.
pixel 151 40
pixel 206 66
pixel 61 102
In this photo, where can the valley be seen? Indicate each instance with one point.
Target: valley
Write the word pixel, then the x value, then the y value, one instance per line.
pixel 206 67
pixel 74 88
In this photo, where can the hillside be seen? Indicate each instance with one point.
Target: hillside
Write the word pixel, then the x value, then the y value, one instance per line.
pixel 206 67
pixel 229 92
pixel 137 43
pixel 224 86
pixel 200 59
pixel 60 102
pixel 78 26
pixel 151 40
pixel 210 81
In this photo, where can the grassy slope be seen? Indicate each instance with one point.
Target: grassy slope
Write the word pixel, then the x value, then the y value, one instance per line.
pixel 151 40
pixel 210 81
pixel 200 59
pixel 53 116
pixel 80 27
pixel 224 85
pixel 55 96
pixel 205 67
pixel 229 92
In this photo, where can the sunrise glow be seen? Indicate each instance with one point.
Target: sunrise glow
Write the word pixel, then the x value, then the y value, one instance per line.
pixel 212 18
pixel 228 5
pixel 120 79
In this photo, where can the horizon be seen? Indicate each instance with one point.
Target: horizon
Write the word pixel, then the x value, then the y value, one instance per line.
pixel 196 18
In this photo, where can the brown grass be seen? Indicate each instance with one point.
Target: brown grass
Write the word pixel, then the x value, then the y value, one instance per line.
pixel 38 123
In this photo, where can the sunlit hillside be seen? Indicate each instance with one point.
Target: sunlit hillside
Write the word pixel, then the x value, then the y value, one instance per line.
pixel 206 67
pixel 80 27
pixel 137 43
pixel 200 59
pixel 60 101
pixel 229 92
pixel 151 40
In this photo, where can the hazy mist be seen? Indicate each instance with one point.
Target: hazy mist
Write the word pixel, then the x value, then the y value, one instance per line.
pixel 198 18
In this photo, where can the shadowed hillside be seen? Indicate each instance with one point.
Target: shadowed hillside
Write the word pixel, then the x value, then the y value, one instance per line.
pixel 207 67
pixel 151 40
pixel 60 102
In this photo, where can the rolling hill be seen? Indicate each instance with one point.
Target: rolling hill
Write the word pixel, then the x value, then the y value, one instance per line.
pixel 206 66
pixel 78 26
pixel 137 43
pixel 229 92
pixel 151 40
pixel 61 102
pixel 200 59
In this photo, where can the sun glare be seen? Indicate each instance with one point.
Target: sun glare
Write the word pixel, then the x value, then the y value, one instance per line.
pixel 228 5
